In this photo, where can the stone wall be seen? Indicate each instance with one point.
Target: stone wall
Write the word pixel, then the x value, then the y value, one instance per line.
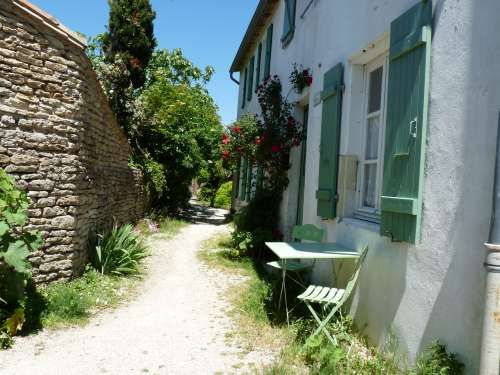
pixel 59 139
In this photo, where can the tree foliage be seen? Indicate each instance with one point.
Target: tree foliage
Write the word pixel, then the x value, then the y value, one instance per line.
pixel 130 35
pixel 161 101
pixel 177 125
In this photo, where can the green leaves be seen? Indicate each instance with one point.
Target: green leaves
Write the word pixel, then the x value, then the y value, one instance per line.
pixel 15 246
pixel 119 252
pixel 16 256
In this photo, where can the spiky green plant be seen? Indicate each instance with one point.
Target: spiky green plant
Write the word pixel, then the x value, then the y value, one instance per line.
pixel 119 252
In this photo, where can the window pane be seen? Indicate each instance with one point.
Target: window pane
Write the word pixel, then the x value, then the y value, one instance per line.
pixel 372 131
pixel 375 93
pixel 369 185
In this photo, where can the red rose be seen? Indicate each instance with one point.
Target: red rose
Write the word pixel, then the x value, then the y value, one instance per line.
pixel 275 148
pixel 226 154
pixel 225 139
pixel 237 129
pixel 258 141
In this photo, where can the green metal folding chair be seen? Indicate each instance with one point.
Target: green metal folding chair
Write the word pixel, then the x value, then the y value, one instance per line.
pixel 330 298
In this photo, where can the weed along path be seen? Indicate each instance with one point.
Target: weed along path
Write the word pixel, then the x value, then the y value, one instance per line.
pixel 178 323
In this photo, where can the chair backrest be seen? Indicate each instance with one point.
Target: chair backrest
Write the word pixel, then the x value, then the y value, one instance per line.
pixel 308 232
pixel 351 284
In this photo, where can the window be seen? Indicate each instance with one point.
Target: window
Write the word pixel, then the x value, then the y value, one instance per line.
pixel 269 49
pixel 259 59
pixel 243 97
pixel 371 156
pixel 289 22
pixel 251 68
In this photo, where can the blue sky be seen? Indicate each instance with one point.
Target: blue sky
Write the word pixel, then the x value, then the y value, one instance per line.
pixel 208 32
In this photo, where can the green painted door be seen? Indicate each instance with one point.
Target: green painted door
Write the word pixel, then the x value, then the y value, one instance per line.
pixel 302 171
pixel 405 135
pixel 326 194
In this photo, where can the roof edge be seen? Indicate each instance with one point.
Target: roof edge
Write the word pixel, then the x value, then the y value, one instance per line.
pixel 264 10
pixel 51 22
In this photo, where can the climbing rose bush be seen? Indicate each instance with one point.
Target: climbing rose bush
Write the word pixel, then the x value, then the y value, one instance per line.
pixel 266 140
pixel 279 132
pixel 240 140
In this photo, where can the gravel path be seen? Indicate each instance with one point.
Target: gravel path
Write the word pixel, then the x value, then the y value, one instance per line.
pixel 176 325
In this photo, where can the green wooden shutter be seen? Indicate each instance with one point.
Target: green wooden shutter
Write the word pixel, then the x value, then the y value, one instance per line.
pixel 302 170
pixel 244 96
pixel 243 176
pixel 269 50
pixel 251 68
pixel 236 180
pixel 407 109
pixel 330 142
pixel 249 182
pixel 259 60
pixel 289 22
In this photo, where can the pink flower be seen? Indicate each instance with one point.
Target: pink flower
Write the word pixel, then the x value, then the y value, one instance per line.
pixel 226 154
pixel 225 139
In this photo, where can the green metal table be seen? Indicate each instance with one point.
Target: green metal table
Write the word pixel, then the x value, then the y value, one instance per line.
pixel 303 250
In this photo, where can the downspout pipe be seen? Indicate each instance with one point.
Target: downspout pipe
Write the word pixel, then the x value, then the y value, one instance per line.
pixel 237 172
pixel 490 343
pixel 233 79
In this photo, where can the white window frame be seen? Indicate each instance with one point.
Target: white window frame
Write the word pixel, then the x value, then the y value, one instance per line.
pixel 363 212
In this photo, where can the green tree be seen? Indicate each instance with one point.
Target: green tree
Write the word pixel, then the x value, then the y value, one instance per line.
pixel 177 125
pixel 122 54
pixel 131 36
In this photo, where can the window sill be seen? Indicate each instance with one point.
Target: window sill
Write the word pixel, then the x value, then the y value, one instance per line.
pixel 286 39
pixel 361 224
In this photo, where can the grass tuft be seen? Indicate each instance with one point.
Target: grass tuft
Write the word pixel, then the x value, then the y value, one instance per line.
pixel 73 303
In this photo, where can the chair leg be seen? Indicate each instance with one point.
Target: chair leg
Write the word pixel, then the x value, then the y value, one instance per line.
pixel 326 320
pixel 320 323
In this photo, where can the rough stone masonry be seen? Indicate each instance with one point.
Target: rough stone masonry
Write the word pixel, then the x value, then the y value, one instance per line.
pixel 60 140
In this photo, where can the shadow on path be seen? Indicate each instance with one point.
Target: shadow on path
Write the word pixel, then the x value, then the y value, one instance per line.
pixel 197 213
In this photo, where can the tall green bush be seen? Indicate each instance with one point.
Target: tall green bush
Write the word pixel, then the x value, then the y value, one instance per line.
pixel 131 35
pixel 15 246
pixel 223 195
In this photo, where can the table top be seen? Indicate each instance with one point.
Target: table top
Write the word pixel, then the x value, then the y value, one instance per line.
pixel 304 250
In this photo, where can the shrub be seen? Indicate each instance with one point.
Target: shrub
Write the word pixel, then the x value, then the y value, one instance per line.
pixel 15 246
pixel 257 223
pixel 223 195
pixel 119 252
pixel 436 360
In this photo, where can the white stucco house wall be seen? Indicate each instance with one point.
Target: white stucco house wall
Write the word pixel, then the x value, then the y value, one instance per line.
pixel 428 284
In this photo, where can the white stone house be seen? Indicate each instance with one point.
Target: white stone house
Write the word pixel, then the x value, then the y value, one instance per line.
pixel 405 104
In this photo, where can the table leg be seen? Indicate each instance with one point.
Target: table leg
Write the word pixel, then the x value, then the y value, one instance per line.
pixel 283 290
